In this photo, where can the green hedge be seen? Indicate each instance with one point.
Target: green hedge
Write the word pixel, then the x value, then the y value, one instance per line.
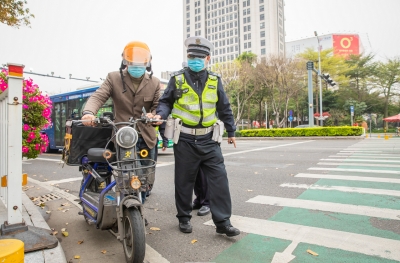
pixel 299 132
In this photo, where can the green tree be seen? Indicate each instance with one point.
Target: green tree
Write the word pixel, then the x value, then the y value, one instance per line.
pixel 14 13
pixel 387 75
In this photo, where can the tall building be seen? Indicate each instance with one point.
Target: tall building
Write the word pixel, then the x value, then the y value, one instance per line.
pixel 236 26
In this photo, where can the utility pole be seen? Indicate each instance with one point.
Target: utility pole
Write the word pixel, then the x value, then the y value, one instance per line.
pixel 310 67
pixel 319 79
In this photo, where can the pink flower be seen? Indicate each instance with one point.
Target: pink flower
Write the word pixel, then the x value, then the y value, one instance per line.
pixel 25 107
pixel 25 149
pixel 37 147
pixel 32 135
pixel 28 140
pixel 26 127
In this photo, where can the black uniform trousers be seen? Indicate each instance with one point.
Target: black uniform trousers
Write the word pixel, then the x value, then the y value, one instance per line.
pixel 201 190
pixel 207 155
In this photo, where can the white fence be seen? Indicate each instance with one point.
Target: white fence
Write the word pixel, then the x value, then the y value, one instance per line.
pixel 11 147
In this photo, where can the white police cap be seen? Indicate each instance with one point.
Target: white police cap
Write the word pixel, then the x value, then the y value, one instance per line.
pixel 198 46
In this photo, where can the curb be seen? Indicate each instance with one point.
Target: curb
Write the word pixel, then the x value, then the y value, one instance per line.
pixel 33 217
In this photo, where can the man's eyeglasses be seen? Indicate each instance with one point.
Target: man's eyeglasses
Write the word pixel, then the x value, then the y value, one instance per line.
pixel 194 56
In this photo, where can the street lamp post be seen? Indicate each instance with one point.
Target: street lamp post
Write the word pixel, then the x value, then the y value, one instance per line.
pixel 319 79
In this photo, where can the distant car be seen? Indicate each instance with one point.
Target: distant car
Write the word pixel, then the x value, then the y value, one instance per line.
pixel 306 126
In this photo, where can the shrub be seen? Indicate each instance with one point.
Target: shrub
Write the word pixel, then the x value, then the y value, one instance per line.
pixel 36 115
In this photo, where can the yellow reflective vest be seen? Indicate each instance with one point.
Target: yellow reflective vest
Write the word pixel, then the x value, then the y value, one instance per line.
pixel 191 108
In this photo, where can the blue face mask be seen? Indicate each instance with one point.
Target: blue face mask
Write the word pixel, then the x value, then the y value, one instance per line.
pixel 136 71
pixel 196 64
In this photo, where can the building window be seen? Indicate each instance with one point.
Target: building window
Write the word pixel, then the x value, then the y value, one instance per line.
pixel 188 8
pixel 187 1
pixel 245 29
pixel 188 35
pixel 261 1
pixel 245 45
pixel 261 8
pixel 248 27
pixel 262 25
pixel 188 29
pixel 244 3
pixel 249 36
pixel 187 22
pixel 249 45
pixel 244 20
pixel 262 17
pixel 248 19
pixel 187 15
pixel 236 48
pixel 262 34
pixel 263 43
pixel 245 37
pixel 263 51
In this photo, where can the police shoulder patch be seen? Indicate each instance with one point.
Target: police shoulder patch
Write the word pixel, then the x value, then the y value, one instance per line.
pixel 213 73
pixel 176 73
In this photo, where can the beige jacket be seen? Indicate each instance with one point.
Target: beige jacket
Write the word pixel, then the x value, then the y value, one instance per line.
pixel 128 104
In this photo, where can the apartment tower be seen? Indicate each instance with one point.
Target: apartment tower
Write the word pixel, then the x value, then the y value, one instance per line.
pixel 236 26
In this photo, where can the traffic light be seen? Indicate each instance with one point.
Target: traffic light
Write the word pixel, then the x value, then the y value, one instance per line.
pixel 328 79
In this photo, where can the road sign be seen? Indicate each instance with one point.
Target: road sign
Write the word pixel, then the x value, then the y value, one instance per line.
pixel 290 118
pixel 352 110
pixel 291 113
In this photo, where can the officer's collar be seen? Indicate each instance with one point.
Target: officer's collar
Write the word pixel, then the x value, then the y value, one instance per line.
pixel 197 74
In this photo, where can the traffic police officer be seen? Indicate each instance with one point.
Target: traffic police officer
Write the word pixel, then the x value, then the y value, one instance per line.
pixel 195 95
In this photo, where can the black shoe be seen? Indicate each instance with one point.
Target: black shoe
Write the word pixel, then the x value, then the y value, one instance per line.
pixel 229 230
pixel 196 206
pixel 204 210
pixel 148 193
pixel 185 227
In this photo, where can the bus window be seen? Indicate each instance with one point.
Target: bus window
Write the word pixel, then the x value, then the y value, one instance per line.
pixel 74 108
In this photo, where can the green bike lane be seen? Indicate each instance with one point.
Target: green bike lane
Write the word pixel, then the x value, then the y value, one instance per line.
pixel 334 235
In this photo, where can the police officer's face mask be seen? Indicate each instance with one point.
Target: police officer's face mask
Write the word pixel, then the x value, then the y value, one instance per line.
pixel 136 71
pixel 196 64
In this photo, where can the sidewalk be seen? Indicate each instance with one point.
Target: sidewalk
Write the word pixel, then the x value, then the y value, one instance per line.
pixel 32 217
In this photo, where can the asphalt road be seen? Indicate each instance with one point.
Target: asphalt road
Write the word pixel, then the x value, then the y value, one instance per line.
pixel 277 204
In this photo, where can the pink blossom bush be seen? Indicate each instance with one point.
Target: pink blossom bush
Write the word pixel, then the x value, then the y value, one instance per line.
pixel 36 115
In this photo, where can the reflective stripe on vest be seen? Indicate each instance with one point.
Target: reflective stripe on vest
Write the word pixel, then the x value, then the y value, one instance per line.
pixel 190 108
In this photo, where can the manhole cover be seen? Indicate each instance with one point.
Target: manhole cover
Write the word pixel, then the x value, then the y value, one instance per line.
pixel 45 198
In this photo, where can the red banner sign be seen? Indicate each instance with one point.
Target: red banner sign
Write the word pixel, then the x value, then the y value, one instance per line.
pixel 344 45
pixel 16 71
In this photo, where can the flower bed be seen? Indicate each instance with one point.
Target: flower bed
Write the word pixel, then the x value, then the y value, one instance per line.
pixel 36 115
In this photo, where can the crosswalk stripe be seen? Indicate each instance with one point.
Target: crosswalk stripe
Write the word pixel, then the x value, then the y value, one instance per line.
pixel 354 170
pixel 349 178
pixel 357 151
pixel 345 189
pixel 364 156
pixel 357 164
pixel 327 206
pixel 361 160
pixel 364 244
pixel 367 154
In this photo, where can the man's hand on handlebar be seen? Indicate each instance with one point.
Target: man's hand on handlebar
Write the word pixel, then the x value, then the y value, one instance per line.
pixel 88 120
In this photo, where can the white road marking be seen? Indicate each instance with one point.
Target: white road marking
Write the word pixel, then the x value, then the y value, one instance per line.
pixel 64 180
pixel 354 170
pixel 48 159
pixel 344 189
pixel 349 178
pixel 368 154
pixel 356 151
pixel 361 160
pixel 365 156
pixel 327 206
pixel 151 254
pixel 264 148
pixel 358 164
pixel 358 243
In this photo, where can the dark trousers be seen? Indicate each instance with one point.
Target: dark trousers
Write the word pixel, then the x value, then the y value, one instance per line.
pixel 200 190
pixel 207 156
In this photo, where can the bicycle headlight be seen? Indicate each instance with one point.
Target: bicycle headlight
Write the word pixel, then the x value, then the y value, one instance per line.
pixel 126 137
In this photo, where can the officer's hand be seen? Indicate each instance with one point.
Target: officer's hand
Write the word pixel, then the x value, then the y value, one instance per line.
pixel 157 117
pixel 232 140
pixel 164 148
pixel 88 119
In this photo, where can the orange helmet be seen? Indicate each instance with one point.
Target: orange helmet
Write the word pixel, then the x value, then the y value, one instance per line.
pixel 136 53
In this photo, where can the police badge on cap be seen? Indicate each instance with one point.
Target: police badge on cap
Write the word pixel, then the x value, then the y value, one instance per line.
pixel 198 46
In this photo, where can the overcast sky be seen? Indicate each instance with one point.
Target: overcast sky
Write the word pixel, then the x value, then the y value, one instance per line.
pixel 86 38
